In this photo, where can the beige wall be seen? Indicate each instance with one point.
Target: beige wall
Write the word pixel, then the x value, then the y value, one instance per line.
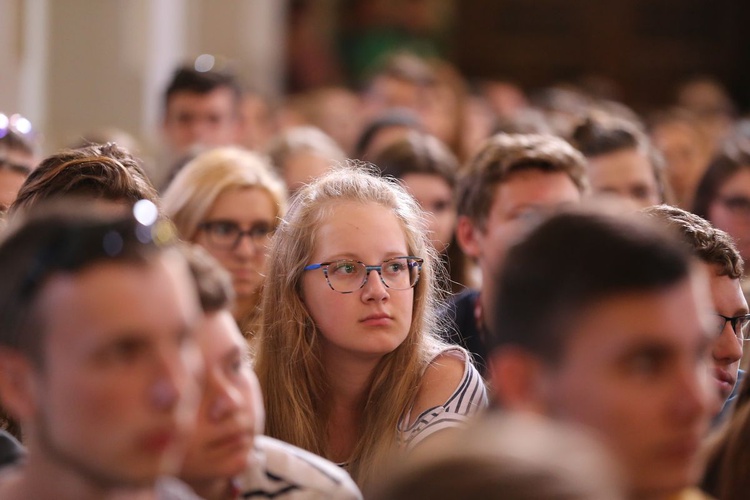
pixel 73 66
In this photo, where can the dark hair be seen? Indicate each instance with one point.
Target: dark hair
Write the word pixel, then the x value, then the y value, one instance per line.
pixel 568 263
pixel 418 153
pixel 601 133
pixel 52 240
pixel 503 154
pixel 188 79
pixel 709 244
pixel 213 283
pixel 99 171
pixel 733 157
pixel 392 118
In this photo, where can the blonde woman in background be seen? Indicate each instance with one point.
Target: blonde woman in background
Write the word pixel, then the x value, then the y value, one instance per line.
pixel 349 355
pixel 228 201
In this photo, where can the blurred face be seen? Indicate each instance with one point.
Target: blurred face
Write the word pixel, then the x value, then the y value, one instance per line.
pixel 244 209
pixel 230 413
pixel 522 194
pixel 730 210
pixel 302 168
pixel 686 154
pixel 626 173
pixel 118 390
pixel 374 320
pixel 726 351
pixel 10 184
pixel 435 196
pixel 194 119
pixel 636 370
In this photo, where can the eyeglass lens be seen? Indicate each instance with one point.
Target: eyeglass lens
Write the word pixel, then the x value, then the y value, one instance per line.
pixel 740 325
pixel 400 273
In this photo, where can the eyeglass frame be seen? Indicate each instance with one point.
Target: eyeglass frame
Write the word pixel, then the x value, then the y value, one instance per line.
pixel 241 233
pixel 734 320
pixel 368 269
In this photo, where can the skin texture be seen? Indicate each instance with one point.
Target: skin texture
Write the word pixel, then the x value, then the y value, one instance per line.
pixel 10 184
pixel 246 207
pixel 230 413
pixel 302 168
pixel 370 233
pixel 118 343
pixel 626 173
pixel 726 351
pixel 208 120
pixel 636 370
pixel 435 196
pixel 736 223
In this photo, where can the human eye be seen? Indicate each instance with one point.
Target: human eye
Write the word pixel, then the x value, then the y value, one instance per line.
pixel 260 230
pixel 124 351
pixel 343 268
pixel 647 363
pixel 395 266
pixel 224 228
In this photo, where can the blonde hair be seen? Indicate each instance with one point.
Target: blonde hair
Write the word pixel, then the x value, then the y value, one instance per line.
pixel 196 187
pixel 288 361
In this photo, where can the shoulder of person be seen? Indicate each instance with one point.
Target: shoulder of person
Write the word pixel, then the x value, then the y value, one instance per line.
pixel 314 476
pixel 441 379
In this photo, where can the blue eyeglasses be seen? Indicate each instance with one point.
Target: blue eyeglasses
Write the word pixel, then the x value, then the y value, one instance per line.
pixel 347 276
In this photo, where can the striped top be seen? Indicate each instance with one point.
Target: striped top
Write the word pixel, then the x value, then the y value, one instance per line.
pixel 280 470
pixel 469 398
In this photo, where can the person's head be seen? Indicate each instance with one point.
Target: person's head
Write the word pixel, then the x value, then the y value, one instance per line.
pixel 508 179
pixel 230 414
pixel 428 170
pixel 17 156
pixel 605 321
pixel 97 352
pixel 384 130
pixel 512 456
pixel 321 305
pixel 105 173
pixel 220 198
pixel 686 148
pixel 723 194
pixel 620 160
pixel 724 267
pixel 301 154
pixel 201 109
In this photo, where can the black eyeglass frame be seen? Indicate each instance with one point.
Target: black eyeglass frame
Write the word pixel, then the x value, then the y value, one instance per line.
pixel 734 321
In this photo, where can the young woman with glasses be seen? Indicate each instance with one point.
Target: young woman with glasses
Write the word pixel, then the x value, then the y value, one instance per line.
pixel 228 201
pixel 349 356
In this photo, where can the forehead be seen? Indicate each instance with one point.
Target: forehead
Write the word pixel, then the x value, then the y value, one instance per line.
pixel 353 229
pixel 671 319
pixel 219 99
pixel 624 164
pixel 242 203
pixel 726 292
pixel 737 183
pixel 107 300
pixel 218 335
pixel 534 187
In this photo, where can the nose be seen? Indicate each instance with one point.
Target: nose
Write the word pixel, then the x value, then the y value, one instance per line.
pixel 727 349
pixel 226 399
pixel 246 247
pixel 374 288
pixel 694 397
pixel 169 383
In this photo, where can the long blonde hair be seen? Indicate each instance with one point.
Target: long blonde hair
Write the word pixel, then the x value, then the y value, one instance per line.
pixel 288 361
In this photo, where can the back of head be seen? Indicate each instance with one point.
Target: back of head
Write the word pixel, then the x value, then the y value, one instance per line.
pixel 502 155
pixel 418 153
pixel 303 139
pixel 58 238
pixel 711 245
pixel 570 262
pixel 101 172
pixel 512 457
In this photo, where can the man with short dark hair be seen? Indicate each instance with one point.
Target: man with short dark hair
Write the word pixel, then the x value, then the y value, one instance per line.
pixel 97 357
pixel 511 178
pixel 604 322
pixel 201 109
pixel 723 264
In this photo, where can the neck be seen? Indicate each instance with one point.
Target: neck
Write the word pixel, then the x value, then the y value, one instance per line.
pixel 213 489
pixel 349 379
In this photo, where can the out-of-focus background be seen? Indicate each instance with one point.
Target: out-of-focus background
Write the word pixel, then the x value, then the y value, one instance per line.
pixel 72 66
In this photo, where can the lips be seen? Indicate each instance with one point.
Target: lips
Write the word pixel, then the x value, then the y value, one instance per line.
pixel 726 381
pixel 234 439
pixel 376 319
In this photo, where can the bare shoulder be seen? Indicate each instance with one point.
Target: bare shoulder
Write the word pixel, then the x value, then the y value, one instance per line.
pixel 440 381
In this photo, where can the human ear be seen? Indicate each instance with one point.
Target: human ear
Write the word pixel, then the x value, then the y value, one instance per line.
pixel 516 377
pixel 466 235
pixel 18 390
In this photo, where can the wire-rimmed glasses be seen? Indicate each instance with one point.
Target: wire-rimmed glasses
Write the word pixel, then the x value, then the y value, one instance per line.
pixel 347 276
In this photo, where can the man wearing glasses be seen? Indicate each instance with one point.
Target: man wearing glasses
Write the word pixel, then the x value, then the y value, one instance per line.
pixel 723 263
